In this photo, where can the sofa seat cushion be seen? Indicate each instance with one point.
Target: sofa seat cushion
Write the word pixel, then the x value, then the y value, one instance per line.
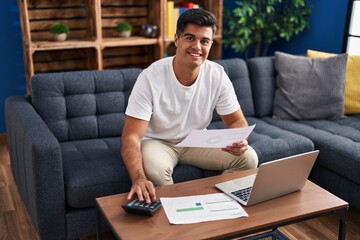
pixel 93 168
pixel 337 140
pixel 271 142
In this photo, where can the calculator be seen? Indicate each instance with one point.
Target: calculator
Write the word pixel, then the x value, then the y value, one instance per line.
pixel 141 207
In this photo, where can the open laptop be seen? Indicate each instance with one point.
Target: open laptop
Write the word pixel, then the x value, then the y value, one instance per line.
pixel 273 179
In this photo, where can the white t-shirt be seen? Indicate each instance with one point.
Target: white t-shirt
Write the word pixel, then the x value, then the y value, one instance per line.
pixel 173 110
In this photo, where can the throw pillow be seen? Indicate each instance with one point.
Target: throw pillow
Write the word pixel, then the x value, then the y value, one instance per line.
pixel 309 88
pixel 352 80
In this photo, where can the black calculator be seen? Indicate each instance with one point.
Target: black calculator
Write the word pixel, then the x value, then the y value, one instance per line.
pixel 141 207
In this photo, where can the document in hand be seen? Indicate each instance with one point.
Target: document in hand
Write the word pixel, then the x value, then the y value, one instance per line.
pixel 215 138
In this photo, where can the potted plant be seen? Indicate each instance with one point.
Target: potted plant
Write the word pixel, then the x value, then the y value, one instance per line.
pixel 124 29
pixel 59 31
pixel 255 24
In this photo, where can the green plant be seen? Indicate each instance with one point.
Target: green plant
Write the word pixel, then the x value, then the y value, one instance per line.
pixel 59 28
pixel 255 24
pixel 123 27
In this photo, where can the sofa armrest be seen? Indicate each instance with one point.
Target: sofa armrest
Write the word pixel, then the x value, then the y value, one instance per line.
pixel 36 164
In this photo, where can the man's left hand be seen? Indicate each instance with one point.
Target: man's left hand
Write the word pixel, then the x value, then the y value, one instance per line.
pixel 237 148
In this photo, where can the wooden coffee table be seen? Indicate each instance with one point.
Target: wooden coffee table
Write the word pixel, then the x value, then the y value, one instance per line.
pixel 311 202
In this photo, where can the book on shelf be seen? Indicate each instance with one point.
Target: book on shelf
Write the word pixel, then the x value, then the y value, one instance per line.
pixel 170 31
pixel 172 14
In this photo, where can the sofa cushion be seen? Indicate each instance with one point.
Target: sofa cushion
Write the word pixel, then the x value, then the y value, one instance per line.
pixel 263 82
pixel 337 140
pixel 271 142
pixel 352 81
pixel 237 71
pixel 309 88
pixel 83 104
pixel 93 168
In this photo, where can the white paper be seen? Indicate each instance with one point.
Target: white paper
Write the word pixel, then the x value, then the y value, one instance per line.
pixel 215 138
pixel 201 208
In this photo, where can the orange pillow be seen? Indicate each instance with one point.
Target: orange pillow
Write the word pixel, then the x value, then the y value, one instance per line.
pixel 352 80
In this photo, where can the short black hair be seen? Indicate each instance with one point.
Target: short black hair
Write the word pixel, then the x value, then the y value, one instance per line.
pixel 196 16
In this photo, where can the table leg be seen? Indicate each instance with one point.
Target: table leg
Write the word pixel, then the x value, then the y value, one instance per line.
pixel 343 214
pixel 99 231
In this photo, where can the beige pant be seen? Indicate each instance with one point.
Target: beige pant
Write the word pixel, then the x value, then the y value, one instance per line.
pixel 160 158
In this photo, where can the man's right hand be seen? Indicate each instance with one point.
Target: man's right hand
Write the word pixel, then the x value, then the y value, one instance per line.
pixel 144 189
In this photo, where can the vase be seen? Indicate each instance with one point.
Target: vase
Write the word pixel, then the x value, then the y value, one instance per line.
pixel 60 37
pixel 125 34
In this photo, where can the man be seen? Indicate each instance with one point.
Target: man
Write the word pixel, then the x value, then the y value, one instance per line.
pixel 170 98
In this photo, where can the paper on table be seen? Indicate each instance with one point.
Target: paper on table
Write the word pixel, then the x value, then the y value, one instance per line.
pixel 201 208
pixel 215 138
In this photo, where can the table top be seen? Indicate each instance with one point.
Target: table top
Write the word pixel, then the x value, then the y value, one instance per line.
pixel 312 200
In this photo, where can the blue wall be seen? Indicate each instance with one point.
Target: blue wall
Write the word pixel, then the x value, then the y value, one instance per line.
pixel 12 74
pixel 326 34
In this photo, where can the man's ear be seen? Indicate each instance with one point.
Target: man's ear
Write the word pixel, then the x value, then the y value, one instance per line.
pixel 175 39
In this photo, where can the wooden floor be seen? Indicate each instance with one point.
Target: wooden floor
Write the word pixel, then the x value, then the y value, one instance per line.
pixel 16 225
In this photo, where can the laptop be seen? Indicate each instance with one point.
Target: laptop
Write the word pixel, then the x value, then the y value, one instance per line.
pixel 273 179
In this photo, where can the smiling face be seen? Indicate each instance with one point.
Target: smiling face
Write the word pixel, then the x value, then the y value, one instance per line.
pixel 193 45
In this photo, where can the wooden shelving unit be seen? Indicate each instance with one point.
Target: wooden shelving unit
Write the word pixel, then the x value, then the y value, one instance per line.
pixel 93 42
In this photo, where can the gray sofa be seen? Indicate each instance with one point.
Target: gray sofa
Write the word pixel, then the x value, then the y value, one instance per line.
pixel 64 142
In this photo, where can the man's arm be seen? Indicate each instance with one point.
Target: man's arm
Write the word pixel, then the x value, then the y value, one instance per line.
pixel 132 135
pixel 236 120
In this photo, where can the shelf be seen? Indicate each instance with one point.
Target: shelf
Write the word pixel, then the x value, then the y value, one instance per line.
pixel 68 44
pixel 130 41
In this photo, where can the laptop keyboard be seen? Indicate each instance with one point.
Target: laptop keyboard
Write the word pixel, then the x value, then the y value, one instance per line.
pixel 243 194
